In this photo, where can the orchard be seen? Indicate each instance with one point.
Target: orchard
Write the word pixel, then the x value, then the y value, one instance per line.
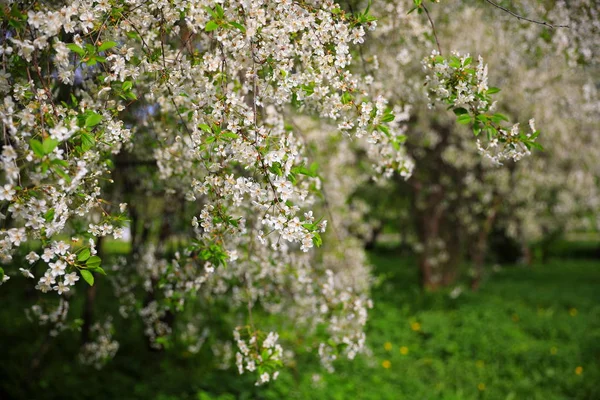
pixel 207 185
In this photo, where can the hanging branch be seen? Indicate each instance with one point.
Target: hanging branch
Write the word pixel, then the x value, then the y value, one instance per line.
pixel 551 26
pixel 437 42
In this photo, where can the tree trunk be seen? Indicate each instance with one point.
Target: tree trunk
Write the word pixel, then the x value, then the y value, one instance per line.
pixel 481 244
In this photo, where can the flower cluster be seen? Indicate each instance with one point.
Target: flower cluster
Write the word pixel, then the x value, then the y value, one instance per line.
pixel 258 354
pixel 463 88
pixel 102 348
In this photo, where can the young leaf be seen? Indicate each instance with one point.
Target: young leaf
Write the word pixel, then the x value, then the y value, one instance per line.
pixel 49 145
pixel 127 85
pixel 460 111
pixel 76 49
pixel 93 262
pixel 464 119
pixel 83 255
pixel 239 26
pixel 87 276
pixel 388 117
pixel 346 98
pixel 98 269
pixel 317 239
pixel 205 128
pixel 37 147
pixel 211 26
pixel 92 120
pixel 61 172
pixel 106 45
pixel 87 141
pixel 49 215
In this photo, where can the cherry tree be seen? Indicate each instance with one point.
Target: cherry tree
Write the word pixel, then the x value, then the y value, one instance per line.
pixel 223 136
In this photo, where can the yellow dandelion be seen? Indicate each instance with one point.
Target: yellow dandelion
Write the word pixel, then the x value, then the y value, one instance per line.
pixel 579 370
pixel 515 317
pixel 404 350
pixel 573 312
pixel 415 326
pixel 386 364
pixel 553 350
pixel 387 346
pixel 481 387
pixel 480 364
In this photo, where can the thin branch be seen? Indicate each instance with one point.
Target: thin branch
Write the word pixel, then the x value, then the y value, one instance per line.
pixel 519 17
pixel 437 42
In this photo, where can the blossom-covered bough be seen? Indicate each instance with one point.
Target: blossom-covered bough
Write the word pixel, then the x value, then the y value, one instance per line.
pixel 191 125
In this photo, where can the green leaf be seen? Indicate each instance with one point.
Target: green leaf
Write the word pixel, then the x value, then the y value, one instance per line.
pixel 276 169
pixel 346 98
pixel 76 49
pixel 499 117
pixel 384 129
pixel 93 262
pixel 127 85
pixel 87 141
pixel 388 117
pixel 49 145
pixel 229 135
pixel 205 128
pixel 83 255
pixel 37 147
pixel 460 111
pixel 464 119
pixel 317 239
pixel 62 163
pixel 106 45
pixel 492 90
pixel 1 274
pixel 87 276
pixel 98 269
pixel 536 145
pixel 49 215
pixel 239 26
pixel 454 62
pixel 211 26
pixel 61 172
pixel 92 120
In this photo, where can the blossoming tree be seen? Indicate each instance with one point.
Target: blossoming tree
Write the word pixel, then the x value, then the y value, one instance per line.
pixel 197 125
pixel 546 72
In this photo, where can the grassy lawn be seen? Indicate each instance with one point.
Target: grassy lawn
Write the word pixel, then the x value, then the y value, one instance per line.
pixel 529 333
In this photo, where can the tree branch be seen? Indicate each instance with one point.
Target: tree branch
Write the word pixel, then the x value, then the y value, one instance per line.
pixel 551 26
pixel 432 28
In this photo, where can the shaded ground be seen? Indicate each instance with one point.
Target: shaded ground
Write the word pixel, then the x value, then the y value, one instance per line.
pixel 530 333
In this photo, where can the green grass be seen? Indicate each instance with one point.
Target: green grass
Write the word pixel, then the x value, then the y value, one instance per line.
pixel 522 336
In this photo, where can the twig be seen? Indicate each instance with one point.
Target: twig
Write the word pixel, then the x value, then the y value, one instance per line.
pixel 551 26
pixel 437 42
